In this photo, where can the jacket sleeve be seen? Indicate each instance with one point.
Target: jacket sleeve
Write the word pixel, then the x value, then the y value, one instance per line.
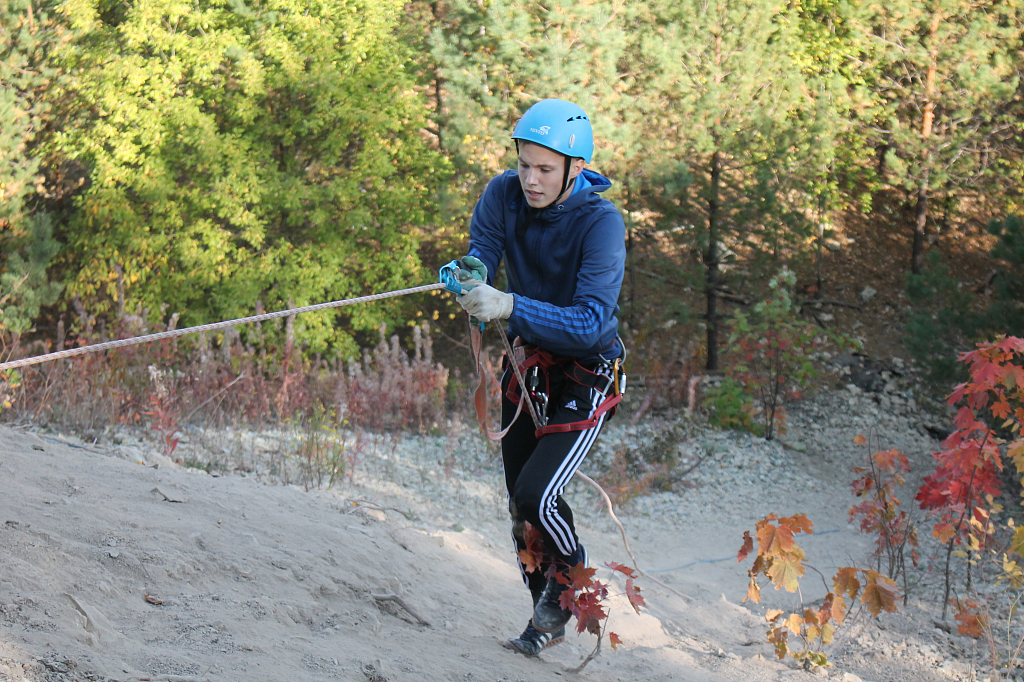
pixel 578 329
pixel 487 229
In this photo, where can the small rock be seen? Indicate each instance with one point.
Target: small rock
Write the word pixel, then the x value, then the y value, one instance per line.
pixel 867 294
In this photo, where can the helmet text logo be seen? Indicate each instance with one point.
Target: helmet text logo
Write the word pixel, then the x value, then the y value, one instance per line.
pixel 543 130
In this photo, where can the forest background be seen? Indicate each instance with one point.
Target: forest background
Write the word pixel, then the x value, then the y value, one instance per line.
pixel 168 163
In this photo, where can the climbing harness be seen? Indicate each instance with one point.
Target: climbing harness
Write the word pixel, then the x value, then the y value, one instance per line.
pixel 538 365
pixel 530 367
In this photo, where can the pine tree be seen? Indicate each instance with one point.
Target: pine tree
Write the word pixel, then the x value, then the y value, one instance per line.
pixel 27 247
pixel 731 91
pixel 490 61
pixel 950 73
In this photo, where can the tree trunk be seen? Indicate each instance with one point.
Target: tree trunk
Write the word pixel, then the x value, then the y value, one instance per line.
pixel 820 256
pixel 927 119
pixel 920 223
pixel 711 261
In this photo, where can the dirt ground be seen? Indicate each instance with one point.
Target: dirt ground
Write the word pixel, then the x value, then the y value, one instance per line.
pixel 117 564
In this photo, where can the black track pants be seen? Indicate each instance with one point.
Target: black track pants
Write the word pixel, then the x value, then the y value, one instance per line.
pixel 537 470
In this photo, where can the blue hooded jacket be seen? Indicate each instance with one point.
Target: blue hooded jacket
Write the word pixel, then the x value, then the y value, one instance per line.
pixel 565 271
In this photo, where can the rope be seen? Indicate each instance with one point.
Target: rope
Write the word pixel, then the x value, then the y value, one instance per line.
pixel 174 333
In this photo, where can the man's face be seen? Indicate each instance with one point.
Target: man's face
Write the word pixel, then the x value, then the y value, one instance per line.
pixel 541 171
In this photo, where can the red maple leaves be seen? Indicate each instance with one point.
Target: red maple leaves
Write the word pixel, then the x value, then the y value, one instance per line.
pixel 967 472
pixel 584 595
pixel 880 512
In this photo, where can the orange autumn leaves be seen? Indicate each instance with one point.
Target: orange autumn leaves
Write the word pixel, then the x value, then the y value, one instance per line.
pixel 778 555
pixel 781 560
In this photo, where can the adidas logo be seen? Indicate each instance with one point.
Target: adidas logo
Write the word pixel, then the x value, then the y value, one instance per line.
pixel 571 405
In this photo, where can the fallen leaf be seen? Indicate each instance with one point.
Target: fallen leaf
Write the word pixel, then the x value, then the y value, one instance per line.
pixel 153 600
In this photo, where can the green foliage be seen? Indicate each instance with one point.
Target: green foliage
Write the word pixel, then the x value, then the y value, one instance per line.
pixel 773 352
pixel 27 246
pixel 949 78
pixel 320 448
pixel 946 320
pixel 1006 314
pixel 24 286
pixel 17 169
pixel 941 323
pixel 731 89
pixel 265 151
pixel 731 407
pixel 483 64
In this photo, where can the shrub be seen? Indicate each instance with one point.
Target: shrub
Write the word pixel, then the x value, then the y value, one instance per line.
pixel 731 407
pixel 772 352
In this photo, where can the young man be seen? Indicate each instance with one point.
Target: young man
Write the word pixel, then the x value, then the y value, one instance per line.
pixel 564 252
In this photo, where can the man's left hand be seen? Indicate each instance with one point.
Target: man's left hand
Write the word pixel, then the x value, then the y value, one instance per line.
pixel 485 303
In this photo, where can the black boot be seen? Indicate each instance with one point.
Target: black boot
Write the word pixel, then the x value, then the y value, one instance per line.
pixel 532 641
pixel 548 614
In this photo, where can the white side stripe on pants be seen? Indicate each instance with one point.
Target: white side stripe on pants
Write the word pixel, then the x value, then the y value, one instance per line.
pixel 555 525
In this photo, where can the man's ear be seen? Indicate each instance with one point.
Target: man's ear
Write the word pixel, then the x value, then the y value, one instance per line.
pixel 576 168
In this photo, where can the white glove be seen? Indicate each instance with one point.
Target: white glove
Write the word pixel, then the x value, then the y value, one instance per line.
pixel 485 303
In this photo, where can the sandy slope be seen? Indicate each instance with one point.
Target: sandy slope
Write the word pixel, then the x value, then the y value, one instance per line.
pixel 272 583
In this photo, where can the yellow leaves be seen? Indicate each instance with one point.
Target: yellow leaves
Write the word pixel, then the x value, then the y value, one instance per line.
pixel 794 623
pixel 1017 543
pixel 837 612
pixel 778 637
pixel 775 540
pixel 860 440
pixel 753 591
pixel 781 560
pixel 824 633
pixel 786 570
pixel 846 582
pixel 1015 451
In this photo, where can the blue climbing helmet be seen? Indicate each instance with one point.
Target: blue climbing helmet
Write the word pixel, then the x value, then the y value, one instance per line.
pixel 558 125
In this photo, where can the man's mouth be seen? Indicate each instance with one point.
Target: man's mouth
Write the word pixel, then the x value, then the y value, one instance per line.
pixel 534 195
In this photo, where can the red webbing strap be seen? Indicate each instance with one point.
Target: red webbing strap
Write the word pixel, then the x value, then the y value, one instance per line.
pixel 580 425
pixel 480 397
pixel 537 357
